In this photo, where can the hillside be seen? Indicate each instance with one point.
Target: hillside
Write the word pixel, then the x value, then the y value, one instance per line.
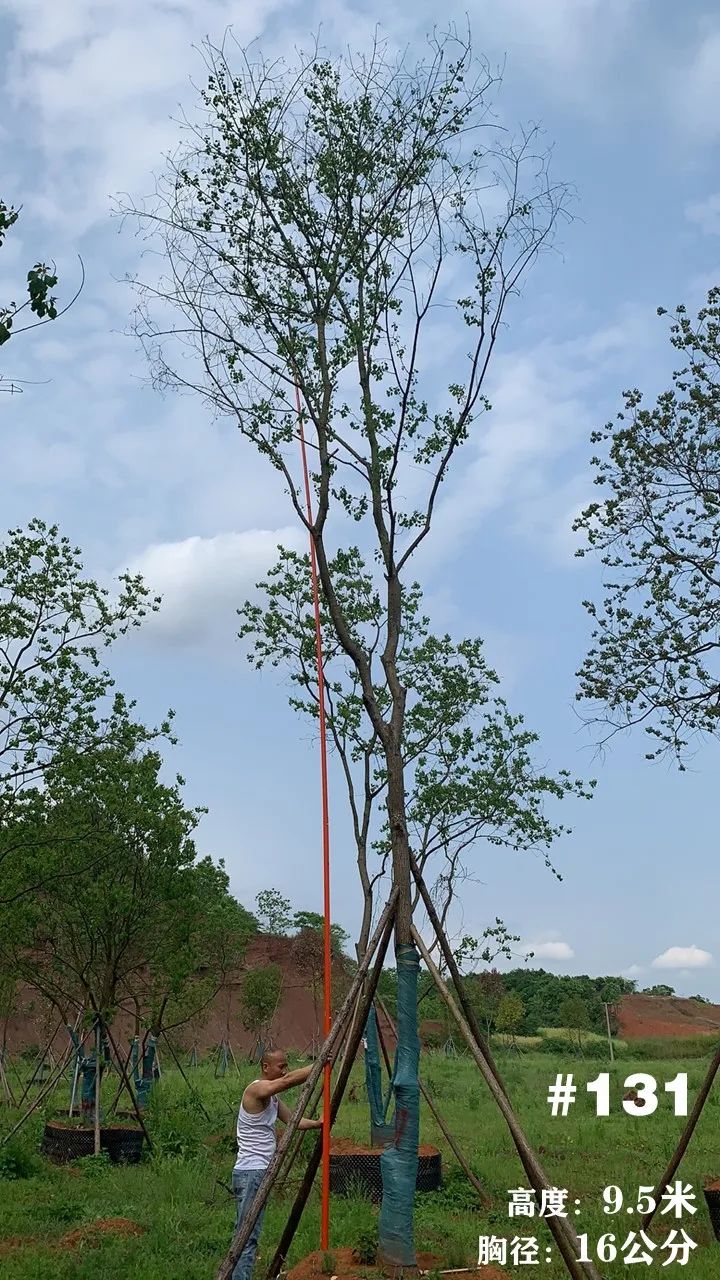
pixel 665 1017
pixel 296 1025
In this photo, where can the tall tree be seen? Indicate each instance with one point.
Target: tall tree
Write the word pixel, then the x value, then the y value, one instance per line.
pixel 654 656
pixel 315 221
pixel 468 761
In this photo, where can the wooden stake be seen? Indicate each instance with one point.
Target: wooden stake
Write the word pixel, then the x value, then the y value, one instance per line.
pixel 73 1092
pixel 9 1095
pixel 327 1053
pixel 51 1084
pixel 352 1044
pixel 191 1087
pixel 128 1086
pixel 38 1065
pixel 98 1083
pixel 685 1137
pixel 565 1235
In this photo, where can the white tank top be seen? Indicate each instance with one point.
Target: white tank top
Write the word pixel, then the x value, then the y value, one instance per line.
pixel 256 1136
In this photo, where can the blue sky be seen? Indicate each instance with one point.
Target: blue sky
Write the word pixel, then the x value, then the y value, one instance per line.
pixel 627 92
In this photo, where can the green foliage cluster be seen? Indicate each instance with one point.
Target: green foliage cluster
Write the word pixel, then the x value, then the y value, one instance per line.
pixel 40 303
pixel 276 916
pixel 655 527
pixel 546 997
pixel 259 996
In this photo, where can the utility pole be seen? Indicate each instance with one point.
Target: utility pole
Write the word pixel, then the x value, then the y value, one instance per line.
pixel 609 1034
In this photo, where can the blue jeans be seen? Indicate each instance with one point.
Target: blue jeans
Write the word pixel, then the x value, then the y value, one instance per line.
pixel 245 1186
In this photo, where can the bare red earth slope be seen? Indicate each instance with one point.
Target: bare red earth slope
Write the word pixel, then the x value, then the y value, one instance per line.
pixel 666 1017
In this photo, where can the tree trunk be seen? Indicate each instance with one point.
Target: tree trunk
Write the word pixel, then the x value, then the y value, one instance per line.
pixel 399 1162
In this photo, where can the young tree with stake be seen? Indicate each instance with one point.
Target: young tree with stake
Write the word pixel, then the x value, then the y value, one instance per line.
pixel 312 225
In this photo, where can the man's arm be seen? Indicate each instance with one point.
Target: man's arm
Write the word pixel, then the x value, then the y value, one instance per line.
pixel 268 1088
pixel 285 1116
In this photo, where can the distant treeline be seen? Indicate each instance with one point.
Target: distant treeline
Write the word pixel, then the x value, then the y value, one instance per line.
pixel 522 1001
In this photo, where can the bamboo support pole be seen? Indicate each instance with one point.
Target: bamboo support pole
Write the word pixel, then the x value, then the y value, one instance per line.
pixel 327 1052
pixel 564 1234
pixel 128 1086
pixel 352 1044
pixel 190 1086
pixel 98 1086
pixel 38 1066
pixel 51 1084
pixel 685 1137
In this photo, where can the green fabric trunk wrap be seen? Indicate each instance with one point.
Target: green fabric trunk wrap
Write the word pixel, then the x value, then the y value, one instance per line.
pixel 144 1082
pixel 373 1078
pixel 399 1163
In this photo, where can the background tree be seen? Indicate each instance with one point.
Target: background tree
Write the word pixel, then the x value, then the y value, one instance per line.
pixel 55 695
pixel 259 998
pixel 315 923
pixel 202 950
pixel 92 935
pixel 655 642
pixel 659 989
pixel 312 224
pixel 510 1013
pixel 576 1017
pixel 487 990
pixel 274 912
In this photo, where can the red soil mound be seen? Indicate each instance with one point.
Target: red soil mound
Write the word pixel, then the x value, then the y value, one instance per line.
pixel 94 1231
pixel 347 1147
pixel 297 1024
pixel 666 1017
pixel 89 1235
pixel 344 1264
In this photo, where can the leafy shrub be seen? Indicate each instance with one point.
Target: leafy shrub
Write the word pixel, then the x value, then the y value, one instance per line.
pixel 456 1194
pixel 96 1166
pixel 366 1246
pixel 17 1162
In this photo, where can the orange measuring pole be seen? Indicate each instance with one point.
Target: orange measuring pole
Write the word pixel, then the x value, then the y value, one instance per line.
pixel 327 957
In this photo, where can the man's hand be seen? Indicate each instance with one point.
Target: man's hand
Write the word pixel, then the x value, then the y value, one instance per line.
pixel 310 1124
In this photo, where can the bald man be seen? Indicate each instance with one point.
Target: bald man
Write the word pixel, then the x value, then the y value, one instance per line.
pixel 260 1108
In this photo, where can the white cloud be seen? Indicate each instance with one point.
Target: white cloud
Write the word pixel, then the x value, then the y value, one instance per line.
pixel 96 85
pixel 204 580
pixel 548 950
pixel 632 971
pixel 693 92
pixel 100 84
pixel 683 958
pixel 546 400
pixel 706 214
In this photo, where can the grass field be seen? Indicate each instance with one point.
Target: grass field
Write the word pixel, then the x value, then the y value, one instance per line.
pixel 179 1197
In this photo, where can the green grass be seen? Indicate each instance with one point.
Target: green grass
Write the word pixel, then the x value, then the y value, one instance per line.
pixel 179 1194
